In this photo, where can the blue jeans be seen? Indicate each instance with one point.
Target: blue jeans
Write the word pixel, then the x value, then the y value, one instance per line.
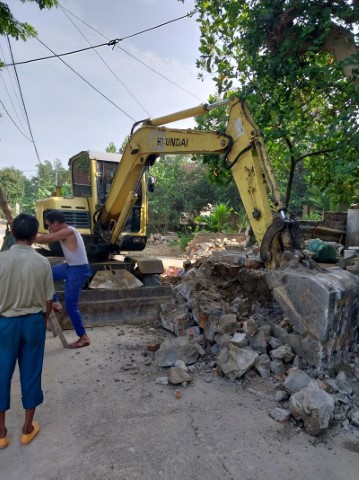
pixel 75 278
pixel 22 339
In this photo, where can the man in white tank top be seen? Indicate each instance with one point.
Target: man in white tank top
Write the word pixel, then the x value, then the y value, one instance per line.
pixel 75 270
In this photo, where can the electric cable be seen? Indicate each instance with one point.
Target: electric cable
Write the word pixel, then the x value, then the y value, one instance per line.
pixel 189 15
pixel 105 63
pixel 13 121
pixel 15 93
pixel 114 43
pixel 110 43
pixel 23 102
pixel 86 81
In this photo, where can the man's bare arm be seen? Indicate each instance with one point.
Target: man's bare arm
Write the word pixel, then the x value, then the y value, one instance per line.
pixel 54 237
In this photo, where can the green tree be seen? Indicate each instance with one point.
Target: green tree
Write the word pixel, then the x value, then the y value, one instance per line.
pixel 296 62
pixel 111 148
pixel 219 220
pixel 44 184
pixel 9 25
pixel 12 182
pixel 182 192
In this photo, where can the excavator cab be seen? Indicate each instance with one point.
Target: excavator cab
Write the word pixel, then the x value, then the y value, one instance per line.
pixel 92 174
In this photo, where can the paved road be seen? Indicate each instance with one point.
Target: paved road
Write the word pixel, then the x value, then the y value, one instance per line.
pixel 104 417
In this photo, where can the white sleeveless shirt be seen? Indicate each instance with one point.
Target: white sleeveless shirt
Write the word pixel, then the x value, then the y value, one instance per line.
pixel 78 256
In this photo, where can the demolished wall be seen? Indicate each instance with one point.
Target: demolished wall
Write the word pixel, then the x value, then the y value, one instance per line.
pixel 228 307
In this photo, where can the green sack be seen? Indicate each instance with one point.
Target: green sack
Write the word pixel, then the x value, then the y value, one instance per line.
pixel 324 253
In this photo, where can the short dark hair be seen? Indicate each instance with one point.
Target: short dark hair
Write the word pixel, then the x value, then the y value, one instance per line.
pixel 55 216
pixel 25 227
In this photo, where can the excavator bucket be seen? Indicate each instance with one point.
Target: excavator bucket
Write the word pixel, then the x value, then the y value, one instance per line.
pixel 101 307
pixel 114 279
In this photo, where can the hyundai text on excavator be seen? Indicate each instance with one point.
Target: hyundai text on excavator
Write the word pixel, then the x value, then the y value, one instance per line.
pixel 110 197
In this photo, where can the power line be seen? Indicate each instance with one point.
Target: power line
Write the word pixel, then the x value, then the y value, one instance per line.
pixel 105 63
pixel 13 121
pixel 86 81
pixel 111 43
pixel 13 106
pixel 14 91
pixel 23 102
pixel 160 25
pixel 189 15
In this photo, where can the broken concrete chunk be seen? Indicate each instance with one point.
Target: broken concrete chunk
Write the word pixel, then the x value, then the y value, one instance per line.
pixel 175 317
pixel 239 340
pixel 283 353
pixel 250 327
pixel 274 342
pixel 180 348
pixel 277 367
pixel 235 362
pixel 181 364
pixel 184 289
pixel 296 380
pixel 331 385
pixel 223 340
pixel 312 350
pixel 227 323
pixel 280 414
pixel 162 380
pixel 281 396
pixel 262 365
pixel 355 418
pixel 177 375
pixel 209 321
pixel 344 385
pixel 356 368
pixel 314 406
pixel 193 331
pixel 259 340
pixel 343 366
pixel 317 313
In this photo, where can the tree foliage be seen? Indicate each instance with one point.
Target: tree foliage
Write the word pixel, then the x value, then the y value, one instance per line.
pixel 220 219
pixel 43 185
pixel 12 27
pixel 182 191
pixel 9 25
pixel 296 62
pixel 12 182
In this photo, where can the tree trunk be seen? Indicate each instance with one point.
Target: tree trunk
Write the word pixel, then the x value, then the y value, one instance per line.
pixel 5 207
pixel 341 45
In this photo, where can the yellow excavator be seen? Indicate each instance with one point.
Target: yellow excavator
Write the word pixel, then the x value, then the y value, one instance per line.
pixel 110 195
pixel 92 174
pixel 109 202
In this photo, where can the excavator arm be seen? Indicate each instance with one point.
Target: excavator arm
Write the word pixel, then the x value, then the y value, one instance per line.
pixel 244 154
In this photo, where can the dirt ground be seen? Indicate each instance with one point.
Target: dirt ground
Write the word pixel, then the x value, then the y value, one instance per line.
pixel 105 417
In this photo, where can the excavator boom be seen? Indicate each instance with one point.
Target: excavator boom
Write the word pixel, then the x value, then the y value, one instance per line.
pixel 245 154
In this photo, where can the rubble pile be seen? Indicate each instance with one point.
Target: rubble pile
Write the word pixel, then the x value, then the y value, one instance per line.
pixel 197 248
pixel 224 314
pixel 159 239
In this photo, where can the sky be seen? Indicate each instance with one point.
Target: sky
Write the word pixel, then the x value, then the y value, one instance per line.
pixel 65 114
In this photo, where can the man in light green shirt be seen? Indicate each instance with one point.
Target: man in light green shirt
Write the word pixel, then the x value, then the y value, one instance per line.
pixel 26 290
